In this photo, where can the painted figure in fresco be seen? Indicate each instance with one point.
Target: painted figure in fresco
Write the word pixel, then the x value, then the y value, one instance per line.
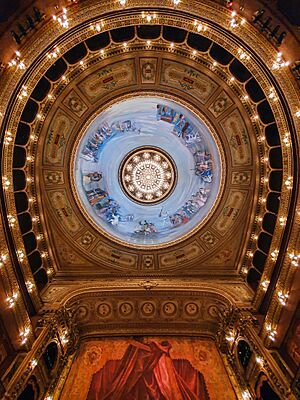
pixel 179 125
pixel 164 215
pixel 192 137
pixel 182 127
pixel 91 177
pixel 145 228
pixel 203 165
pixel 103 133
pixel 94 196
pixel 184 214
pixel 164 113
pixel 167 114
pixel 147 372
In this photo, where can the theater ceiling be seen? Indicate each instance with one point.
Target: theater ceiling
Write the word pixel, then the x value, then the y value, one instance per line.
pixel 209 101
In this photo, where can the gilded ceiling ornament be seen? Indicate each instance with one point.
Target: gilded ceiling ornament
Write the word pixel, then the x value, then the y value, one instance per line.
pixel 148 175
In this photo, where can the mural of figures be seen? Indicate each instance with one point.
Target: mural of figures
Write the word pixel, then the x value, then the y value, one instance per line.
pixel 136 124
pixel 148 368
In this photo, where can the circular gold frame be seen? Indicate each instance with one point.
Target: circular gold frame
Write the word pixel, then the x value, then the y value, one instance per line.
pixel 173 179
pixel 198 115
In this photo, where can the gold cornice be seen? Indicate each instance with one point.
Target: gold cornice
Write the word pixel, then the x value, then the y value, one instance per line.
pixel 63 292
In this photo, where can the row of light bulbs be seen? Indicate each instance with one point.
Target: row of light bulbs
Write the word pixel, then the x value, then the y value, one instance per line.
pixel 199 27
pixel 63 19
pixel 271 331
pixel 12 221
pixel 246 97
pixel 12 300
pixel 281 295
pixel 234 21
pixel 123 2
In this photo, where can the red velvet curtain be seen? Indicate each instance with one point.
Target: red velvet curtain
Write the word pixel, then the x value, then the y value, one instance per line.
pixel 147 372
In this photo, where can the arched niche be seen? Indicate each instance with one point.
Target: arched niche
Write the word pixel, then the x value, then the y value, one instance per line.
pixel 263 388
pixel 50 356
pixel 31 390
pixel 244 353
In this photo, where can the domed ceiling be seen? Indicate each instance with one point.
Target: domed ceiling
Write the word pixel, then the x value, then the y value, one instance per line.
pixel 147 171
pixel 148 143
pixel 201 134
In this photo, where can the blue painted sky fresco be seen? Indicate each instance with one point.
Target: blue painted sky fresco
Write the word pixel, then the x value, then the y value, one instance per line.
pixel 134 123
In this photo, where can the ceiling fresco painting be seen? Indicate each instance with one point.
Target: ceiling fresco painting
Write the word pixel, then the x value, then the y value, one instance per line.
pixel 163 200
pixel 186 119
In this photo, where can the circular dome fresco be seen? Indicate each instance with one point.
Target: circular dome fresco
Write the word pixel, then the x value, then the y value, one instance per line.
pixel 147 171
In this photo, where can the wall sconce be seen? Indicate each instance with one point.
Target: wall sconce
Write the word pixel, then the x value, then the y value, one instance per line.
pixel 11 300
pixel 243 55
pixel 289 183
pixel 8 138
pixel 63 20
pixel 148 16
pixel 17 62
pixel 271 332
pixel 246 395
pixel 230 337
pixel 24 335
pixel 282 298
pixel 30 286
pixel 265 285
pixel 21 255
pixel 282 221
pixel 33 363
pixel 259 360
pixel 64 338
pixel 280 63
pixel 274 255
pixel 199 26
pixel 294 259
pixel 3 258
pixel 11 220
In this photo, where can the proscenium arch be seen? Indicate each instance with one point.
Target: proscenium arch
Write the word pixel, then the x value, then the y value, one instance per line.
pixel 206 320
